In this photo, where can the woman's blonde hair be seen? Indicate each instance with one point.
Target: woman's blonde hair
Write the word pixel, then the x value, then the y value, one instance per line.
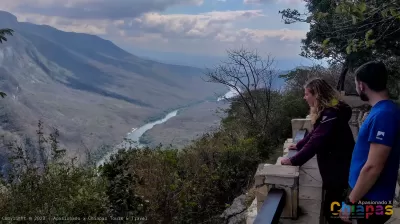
pixel 326 96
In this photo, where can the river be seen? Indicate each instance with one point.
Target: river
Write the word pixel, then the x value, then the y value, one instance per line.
pixel 134 136
pixel 231 93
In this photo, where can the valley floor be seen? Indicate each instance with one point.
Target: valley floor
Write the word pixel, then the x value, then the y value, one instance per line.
pixel 190 124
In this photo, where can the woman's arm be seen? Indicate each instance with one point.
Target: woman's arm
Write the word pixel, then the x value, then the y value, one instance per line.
pixel 317 138
pixel 302 142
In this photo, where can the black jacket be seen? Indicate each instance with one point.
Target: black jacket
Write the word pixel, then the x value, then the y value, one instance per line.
pixel 332 140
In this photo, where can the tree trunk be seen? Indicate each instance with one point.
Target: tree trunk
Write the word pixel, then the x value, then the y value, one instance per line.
pixel 342 78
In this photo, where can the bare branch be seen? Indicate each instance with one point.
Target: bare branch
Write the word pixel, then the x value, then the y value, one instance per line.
pixel 251 77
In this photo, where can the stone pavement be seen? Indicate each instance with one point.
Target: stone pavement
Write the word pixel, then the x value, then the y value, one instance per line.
pixel 395 218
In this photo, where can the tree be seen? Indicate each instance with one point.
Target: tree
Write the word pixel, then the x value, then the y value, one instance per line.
pixel 350 32
pixel 3 34
pixel 251 77
pixel 296 79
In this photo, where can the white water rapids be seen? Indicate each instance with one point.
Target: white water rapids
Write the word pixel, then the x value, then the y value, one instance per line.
pixel 135 135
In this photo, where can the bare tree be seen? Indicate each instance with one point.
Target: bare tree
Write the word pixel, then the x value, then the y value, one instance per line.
pixel 251 77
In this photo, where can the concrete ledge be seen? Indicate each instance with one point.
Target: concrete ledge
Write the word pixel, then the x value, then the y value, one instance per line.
pixel 259 178
pixel 301 123
pixel 285 151
pixel 286 145
pixel 281 177
pixel 278 161
pixel 277 171
pixel 302 185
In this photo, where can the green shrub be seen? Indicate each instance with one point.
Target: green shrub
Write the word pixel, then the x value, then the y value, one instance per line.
pixel 189 186
pixel 51 189
pixel 61 191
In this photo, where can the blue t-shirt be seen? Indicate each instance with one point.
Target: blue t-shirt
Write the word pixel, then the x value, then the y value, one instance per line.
pixel 381 126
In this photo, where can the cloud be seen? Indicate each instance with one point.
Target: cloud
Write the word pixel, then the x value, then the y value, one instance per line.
pixel 211 32
pixel 141 22
pixel 214 47
pixel 254 1
pixel 259 2
pixel 281 34
pixel 96 27
pixel 205 25
pixel 217 25
pixel 93 9
pixel 207 33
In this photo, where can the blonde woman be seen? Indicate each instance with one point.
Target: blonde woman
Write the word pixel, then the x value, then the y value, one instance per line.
pixel 331 140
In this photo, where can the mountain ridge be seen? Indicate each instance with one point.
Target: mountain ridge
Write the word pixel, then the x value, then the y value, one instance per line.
pixel 88 87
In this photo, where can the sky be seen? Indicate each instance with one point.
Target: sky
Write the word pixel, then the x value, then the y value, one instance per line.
pixel 186 31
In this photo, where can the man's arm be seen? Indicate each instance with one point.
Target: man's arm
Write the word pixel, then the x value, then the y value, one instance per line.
pixel 370 172
pixel 316 139
pixel 382 136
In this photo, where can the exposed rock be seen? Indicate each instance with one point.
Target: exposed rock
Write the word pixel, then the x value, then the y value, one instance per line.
pixel 236 213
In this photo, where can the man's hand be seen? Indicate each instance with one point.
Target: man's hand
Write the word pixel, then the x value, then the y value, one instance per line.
pixel 345 215
pixel 286 161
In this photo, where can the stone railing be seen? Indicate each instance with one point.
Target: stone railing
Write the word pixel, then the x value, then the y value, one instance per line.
pixel 302 186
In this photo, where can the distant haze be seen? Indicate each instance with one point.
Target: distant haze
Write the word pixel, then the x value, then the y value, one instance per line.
pixel 202 61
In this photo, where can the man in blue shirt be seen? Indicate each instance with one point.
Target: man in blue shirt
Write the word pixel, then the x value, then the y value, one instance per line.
pixel 375 160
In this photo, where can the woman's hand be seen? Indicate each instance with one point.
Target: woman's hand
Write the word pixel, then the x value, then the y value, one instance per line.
pixel 292 147
pixel 286 161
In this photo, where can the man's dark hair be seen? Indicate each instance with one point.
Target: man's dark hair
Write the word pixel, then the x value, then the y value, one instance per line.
pixel 374 74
